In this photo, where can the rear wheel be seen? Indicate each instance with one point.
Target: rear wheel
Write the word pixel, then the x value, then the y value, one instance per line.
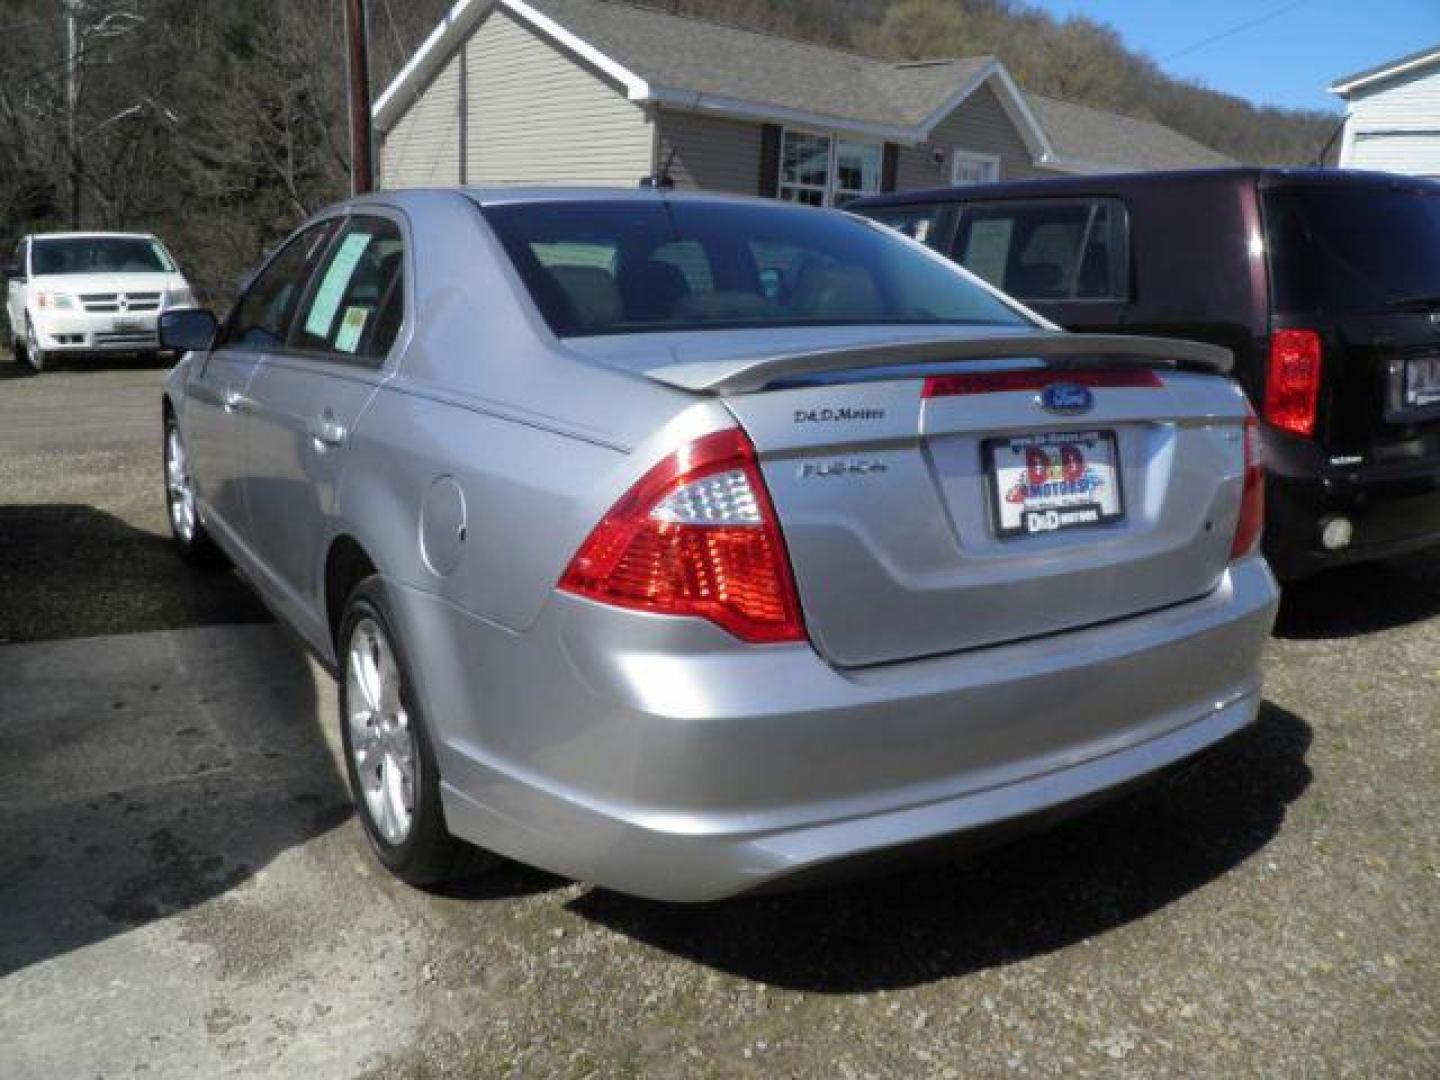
pixel 388 754
pixel 190 537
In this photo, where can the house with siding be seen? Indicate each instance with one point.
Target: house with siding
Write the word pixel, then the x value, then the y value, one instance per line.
pixel 1392 115
pixel 607 93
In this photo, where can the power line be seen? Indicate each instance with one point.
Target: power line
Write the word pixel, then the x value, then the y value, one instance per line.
pixel 1237 29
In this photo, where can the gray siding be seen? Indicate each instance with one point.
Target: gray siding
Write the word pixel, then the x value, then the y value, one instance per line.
pixel 423 149
pixel 980 123
pixel 711 153
pixel 538 116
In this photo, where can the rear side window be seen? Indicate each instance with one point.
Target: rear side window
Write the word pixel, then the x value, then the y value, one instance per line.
pixel 1360 248
pixel 262 315
pixel 1053 249
pixel 930 224
pixel 358 301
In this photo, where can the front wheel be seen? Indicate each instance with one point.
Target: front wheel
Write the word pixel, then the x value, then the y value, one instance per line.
pixel 34 355
pixel 388 755
pixel 191 539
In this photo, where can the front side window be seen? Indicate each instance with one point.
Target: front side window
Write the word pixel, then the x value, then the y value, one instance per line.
pixel 100 255
pixel 1062 249
pixel 358 302
pixel 819 170
pixel 262 315
pixel 648 266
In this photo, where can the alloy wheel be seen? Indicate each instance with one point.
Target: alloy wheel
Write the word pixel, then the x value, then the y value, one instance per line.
pixel 382 743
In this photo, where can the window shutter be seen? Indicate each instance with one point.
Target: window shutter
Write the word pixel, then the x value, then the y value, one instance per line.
pixel 890 168
pixel 769 185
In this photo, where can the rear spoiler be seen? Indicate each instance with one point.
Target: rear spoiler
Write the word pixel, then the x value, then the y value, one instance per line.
pixel 747 374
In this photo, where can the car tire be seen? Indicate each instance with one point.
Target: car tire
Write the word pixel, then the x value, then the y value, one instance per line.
pixel 181 507
pixel 34 355
pixel 389 758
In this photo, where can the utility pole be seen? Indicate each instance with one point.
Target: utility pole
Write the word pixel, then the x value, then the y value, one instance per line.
pixel 358 65
pixel 72 105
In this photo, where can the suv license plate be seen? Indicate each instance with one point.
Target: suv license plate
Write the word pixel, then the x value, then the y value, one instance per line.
pixel 1422 381
pixel 125 326
pixel 1050 482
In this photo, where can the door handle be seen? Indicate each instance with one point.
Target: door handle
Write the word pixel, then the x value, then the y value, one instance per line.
pixel 234 401
pixel 326 431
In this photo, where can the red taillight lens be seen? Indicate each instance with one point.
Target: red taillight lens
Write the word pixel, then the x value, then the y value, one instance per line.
pixel 696 535
pixel 1252 503
pixel 1292 388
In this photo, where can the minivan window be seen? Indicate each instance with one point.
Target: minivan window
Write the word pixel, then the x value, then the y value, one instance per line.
pixel 100 255
pixel 1052 249
pixel 634 267
pixel 1352 248
pixel 357 303
pixel 262 316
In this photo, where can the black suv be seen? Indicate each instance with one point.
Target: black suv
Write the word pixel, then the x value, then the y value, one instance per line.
pixel 1325 284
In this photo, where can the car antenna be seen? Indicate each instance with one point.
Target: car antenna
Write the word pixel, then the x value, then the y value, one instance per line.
pixel 661 179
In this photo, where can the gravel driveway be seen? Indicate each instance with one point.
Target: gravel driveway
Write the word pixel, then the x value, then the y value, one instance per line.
pixel 184 892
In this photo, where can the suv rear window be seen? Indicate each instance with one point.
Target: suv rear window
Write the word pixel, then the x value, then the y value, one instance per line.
pixel 625 267
pixel 1051 249
pixel 1360 248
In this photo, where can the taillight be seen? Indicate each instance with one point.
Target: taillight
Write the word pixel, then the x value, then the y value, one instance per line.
pixel 1252 502
pixel 696 535
pixel 1292 386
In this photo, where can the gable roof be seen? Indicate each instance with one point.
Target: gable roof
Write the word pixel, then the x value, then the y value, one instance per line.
pixel 1425 57
pixel 1078 131
pixel 686 62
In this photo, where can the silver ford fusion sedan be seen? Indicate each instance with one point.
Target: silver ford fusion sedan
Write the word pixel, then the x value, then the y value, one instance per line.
pixel 686 544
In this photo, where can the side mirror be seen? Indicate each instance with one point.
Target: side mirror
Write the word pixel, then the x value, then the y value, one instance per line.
pixel 187 329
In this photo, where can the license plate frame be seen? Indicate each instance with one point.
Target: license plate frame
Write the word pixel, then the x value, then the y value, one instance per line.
pixel 1066 508
pixel 1422 382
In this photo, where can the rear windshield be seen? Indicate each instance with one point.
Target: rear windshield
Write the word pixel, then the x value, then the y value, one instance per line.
pixel 1353 248
pixel 100 255
pixel 633 267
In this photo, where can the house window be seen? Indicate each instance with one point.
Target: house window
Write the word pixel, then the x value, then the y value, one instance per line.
pixel 822 170
pixel 972 167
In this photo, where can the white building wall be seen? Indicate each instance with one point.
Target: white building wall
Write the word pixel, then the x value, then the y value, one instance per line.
pixel 1395 125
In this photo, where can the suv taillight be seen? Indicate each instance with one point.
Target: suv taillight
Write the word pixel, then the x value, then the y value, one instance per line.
pixel 696 535
pixel 1292 385
pixel 1252 502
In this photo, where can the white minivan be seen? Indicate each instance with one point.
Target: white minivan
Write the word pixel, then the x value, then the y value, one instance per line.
pixel 90 292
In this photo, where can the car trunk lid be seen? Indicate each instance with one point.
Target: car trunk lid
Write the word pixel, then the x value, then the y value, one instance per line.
pixel 890 468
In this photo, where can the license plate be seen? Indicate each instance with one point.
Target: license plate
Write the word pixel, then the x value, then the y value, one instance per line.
pixel 1422 381
pixel 1055 481
pixel 125 326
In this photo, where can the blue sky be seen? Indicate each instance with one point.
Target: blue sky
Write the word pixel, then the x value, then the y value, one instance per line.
pixel 1286 60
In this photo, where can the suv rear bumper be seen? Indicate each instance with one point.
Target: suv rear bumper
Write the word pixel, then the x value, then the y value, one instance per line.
pixel 1392 509
pixel 653 756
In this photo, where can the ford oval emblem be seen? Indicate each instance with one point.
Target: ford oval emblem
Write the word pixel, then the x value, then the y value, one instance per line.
pixel 1066 398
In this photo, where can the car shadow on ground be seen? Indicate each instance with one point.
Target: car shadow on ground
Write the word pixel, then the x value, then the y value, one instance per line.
pixel 1362 599
pixel 1029 897
pixel 70 570
pixel 144 775
pixel 12 367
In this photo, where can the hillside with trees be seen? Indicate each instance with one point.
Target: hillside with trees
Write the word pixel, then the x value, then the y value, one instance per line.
pixel 220 123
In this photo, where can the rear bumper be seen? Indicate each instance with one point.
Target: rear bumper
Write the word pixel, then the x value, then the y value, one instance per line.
pixel 1393 509
pixel 655 757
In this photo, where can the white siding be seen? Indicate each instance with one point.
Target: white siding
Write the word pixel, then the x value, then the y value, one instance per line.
pixel 979 123
pixel 423 149
pixel 1395 126
pixel 538 116
pixel 711 153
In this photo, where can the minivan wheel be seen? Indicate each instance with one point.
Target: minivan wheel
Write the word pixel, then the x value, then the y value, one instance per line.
pixel 388 755
pixel 191 539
